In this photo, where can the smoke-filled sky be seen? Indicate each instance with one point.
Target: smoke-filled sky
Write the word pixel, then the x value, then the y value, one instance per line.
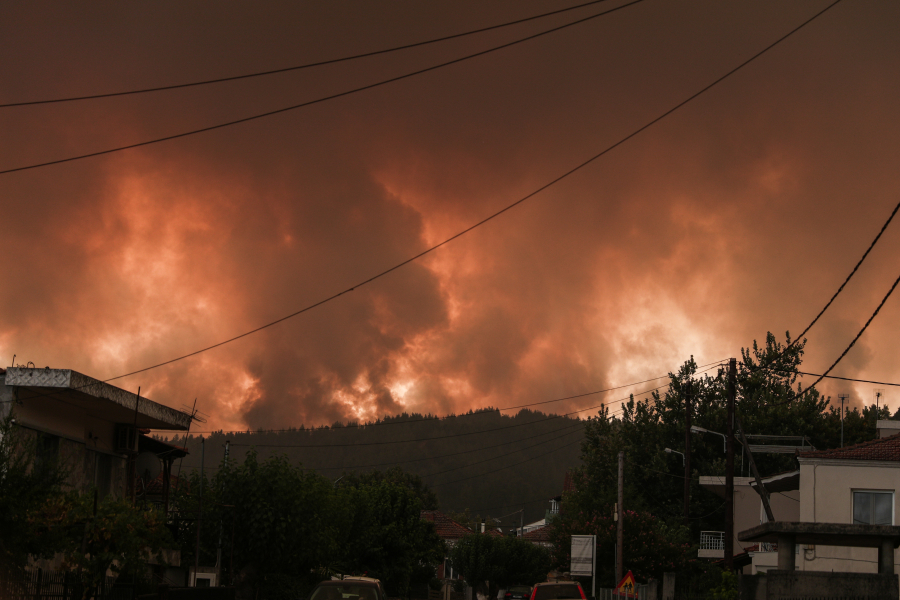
pixel 740 213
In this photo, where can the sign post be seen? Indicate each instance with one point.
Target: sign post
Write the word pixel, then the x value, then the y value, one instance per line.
pixel 584 560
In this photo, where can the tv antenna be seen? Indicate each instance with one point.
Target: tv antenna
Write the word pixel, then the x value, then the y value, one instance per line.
pixel 879 394
pixel 842 397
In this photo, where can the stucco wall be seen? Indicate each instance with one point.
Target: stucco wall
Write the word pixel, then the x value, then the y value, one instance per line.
pixel 826 496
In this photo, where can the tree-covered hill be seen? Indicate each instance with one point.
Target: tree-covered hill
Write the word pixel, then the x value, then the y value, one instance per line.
pixel 490 463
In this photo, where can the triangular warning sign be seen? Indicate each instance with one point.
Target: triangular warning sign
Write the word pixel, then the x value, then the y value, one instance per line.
pixel 627 587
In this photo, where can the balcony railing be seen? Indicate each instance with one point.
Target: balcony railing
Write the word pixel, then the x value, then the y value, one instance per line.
pixel 712 540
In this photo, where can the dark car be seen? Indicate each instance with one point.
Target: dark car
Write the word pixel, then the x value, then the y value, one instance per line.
pixel 558 590
pixel 518 592
pixel 349 588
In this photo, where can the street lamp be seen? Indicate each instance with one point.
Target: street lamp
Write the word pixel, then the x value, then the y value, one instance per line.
pixel 695 429
pixel 670 451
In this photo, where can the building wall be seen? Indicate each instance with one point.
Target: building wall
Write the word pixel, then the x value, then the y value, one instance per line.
pixel 826 496
pixel 748 511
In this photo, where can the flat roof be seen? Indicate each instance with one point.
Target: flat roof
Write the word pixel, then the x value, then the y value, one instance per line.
pixel 98 399
pixel 825 534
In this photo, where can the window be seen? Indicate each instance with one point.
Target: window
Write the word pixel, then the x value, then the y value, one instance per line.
pixel 873 508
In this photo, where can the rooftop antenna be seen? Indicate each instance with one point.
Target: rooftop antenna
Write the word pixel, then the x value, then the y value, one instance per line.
pixel 842 397
pixel 879 394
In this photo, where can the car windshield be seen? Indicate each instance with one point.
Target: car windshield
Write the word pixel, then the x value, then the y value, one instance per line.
pixel 345 592
pixel 520 588
pixel 557 591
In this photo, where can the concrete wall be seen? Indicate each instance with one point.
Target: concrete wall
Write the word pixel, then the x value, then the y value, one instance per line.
pixel 819 585
pixel 826 496
pixel 81 438
pixel 748 511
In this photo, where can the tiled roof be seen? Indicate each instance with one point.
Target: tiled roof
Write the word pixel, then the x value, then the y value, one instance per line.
pixel 885 449
pixel 541 534
pixel 446 528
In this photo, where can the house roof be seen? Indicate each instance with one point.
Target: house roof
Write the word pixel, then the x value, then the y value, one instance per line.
pixel 541 534
pixel 94 397
pixel 446 528
pixel 882 449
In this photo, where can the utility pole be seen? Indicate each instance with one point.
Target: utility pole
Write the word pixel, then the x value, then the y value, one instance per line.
pixel 221 526
pixel 842 397
pixel 760 488
pixel 688 408
pixel 199 509
pixel 620 520
pixel 729 466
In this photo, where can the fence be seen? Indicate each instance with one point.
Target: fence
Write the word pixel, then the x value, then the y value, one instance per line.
pixel 52 585
pixel 641 592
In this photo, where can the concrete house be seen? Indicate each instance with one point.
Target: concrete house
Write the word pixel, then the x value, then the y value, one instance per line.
pixel 854 485
pixel 92 428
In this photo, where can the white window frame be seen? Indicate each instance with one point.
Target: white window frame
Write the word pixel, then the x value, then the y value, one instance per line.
pixel 893 501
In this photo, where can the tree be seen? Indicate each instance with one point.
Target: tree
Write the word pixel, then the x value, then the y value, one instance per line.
pixel 29 487
pixel 651 546
pixel 291 527
pixel 504 561
pixel 397 476
pixel 517 561
pixel 113 535
pixel 278 521
pixel 389 539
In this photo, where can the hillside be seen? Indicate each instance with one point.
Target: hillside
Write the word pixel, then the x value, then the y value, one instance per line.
pixel 486 462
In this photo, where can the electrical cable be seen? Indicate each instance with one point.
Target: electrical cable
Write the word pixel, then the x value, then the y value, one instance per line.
pixel 563 447
pixel 317 100
pixel 439 437
pixel 844 353
pixel 834 297
pixel 303 66
pixel 500 455
pixel 499 212
pixel 470 414
pixel 579 424
pixel 832 377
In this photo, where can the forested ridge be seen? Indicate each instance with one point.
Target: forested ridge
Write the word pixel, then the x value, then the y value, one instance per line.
pixel 484 461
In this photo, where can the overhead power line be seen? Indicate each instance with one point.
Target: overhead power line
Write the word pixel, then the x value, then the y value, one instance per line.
pixel 469 414
pixel 439 437
pixel 317 100
pixel 527 460
pixel 846 350
pixel 568 428
pixel 833 377
pixel 303 66
pixel 495 214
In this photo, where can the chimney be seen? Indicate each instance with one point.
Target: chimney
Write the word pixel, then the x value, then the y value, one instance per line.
pixel 887 428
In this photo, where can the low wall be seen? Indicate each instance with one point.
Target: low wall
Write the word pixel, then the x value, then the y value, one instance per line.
pixel 803 585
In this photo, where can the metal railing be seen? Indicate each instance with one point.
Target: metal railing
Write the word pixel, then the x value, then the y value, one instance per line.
pixel 712 540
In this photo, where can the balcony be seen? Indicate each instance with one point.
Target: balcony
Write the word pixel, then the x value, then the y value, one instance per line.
pixel 712 544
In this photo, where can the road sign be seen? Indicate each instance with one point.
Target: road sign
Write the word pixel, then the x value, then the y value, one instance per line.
pixel 627 588
pixel 582 555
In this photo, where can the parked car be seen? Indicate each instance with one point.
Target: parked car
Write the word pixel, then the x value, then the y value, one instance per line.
pixel 518 592
pixel 558 590
pixel 349 588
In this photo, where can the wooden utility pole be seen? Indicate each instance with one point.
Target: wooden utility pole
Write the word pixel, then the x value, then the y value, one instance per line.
pixel 760 488
pixel 729 466
pixel 620 520
pixel 688 409
pixel 199 509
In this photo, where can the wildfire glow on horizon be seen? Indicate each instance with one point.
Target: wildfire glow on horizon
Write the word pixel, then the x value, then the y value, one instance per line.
pixel 739 214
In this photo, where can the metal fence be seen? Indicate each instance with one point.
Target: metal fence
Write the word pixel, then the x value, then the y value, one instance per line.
pixel 642 592
pixel 52 585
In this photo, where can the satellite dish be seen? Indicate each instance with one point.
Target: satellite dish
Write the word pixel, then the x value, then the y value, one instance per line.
pixel 147 466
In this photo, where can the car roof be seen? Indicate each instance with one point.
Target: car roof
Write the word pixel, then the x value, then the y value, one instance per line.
pixel 557 583
pixel 354 581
